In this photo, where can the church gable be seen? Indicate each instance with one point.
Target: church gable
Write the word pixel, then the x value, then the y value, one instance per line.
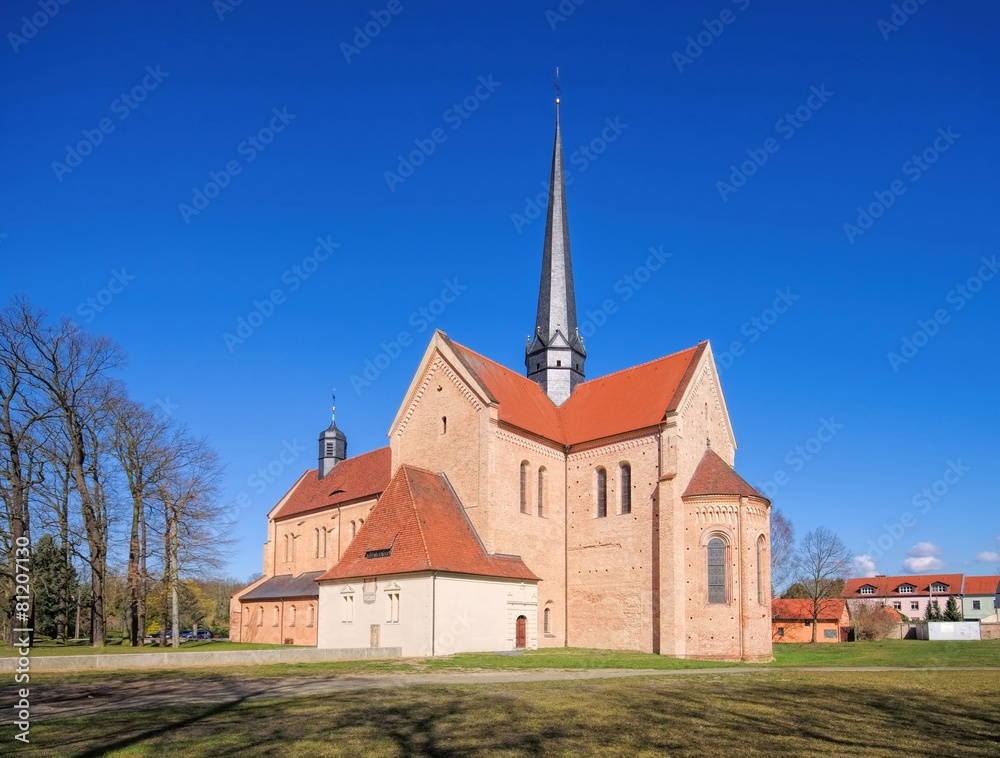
pixel 440 369
pixel 701 409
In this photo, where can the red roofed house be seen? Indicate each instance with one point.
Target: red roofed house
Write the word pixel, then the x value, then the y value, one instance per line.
pixel 618 493
pixel 981 597
pixel 909 595
pixel 791 621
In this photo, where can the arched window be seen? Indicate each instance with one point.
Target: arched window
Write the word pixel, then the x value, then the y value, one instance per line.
pixel 310 615
pixel 322 542
pixel 288 548
pixel 761 558
pixel 444 425
pixel 354 529
pixel 316 542
pixel 291 616
pixel 277 615
pixel 361 522
pixel 547 621
pixel 626 486
pixel 524 486
pixel 542 493
pixel 260 616
pixel 716 570
pixel 602 493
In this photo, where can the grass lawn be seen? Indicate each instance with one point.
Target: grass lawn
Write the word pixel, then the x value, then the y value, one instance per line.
pixel 756 713
pixel 908 653
pixel 83 648
pixel 922 653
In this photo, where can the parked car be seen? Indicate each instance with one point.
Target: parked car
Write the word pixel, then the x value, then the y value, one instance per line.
pixel 201 634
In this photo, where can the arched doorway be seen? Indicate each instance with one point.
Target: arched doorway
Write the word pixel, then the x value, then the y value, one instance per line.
pixel 521 632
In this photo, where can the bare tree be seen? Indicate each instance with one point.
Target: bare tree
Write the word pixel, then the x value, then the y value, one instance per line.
pixel 21 416
pixel 194 523
pixel 71 368
pixel 141 446
pixel 782 551
pixel 872 621
pixel 819 565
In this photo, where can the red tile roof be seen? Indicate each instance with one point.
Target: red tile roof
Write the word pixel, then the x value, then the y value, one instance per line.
pixel 981 585
pixel 886 586
pixel 522 402
pixel 831 609
pixel 636 398
pixel 420 519
pixel 716 477
pixel 364 476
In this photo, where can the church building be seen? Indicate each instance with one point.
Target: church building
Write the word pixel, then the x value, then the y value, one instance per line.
pixel 526 510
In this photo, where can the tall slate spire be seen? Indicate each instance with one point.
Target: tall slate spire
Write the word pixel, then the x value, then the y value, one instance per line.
pixel 555 354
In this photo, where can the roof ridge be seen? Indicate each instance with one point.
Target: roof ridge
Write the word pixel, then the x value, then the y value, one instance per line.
pixel 646 363
pixel 413 505
pixel 355 458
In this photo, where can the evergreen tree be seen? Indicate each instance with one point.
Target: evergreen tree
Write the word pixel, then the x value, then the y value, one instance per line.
pixel 933 612
pixel 52 578
pixel 952 612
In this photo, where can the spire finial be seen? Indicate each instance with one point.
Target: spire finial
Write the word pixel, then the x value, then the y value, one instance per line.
pixel 558 90
pixel 333 408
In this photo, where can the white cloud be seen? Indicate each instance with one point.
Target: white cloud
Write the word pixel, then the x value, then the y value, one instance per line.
pixel 864 565
pixel 922 564
pixel 923 550
pixel 988 556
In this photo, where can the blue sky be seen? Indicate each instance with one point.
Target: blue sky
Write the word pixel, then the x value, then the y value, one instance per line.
pixel 822 176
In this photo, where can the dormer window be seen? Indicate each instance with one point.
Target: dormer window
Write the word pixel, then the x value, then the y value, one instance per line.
pixel 867 590
pixel 906 589
pixel 938 587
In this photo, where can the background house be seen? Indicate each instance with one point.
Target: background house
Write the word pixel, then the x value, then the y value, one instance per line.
pixel 980 596
pixel 791 621
pixel 909 595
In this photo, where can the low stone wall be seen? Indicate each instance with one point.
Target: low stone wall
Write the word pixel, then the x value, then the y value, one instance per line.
pixel 989 631
pixel 178 659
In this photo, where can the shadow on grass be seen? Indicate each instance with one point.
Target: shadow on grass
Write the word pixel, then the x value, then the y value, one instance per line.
pixel 864 714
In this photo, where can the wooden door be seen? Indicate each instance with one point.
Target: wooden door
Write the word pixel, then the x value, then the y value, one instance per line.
pixel 521 632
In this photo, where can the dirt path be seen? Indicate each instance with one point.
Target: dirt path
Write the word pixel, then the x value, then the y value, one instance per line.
pixel 58 701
